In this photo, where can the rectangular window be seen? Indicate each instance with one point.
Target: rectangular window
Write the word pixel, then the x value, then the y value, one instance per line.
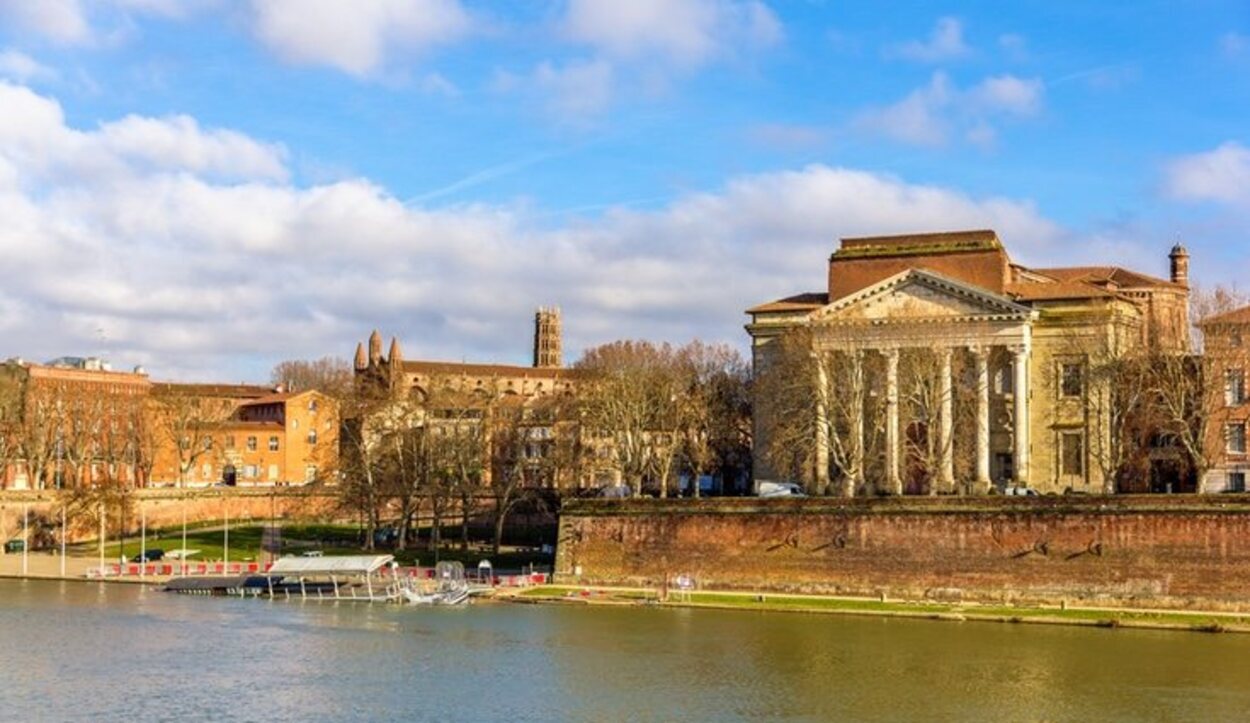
pixel 310 473
pixel 273 472
pixel 1236 481
pixel 1234 387
pixel 1072 454
pixel 251 444
pixel 249 471
pixel 312 436
pixel 1236 438
pixel 273 444
pixel 1071 379
pixel 229 441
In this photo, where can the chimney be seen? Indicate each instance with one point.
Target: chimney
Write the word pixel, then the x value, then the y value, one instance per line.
pixel 1180 265
pixel 547 350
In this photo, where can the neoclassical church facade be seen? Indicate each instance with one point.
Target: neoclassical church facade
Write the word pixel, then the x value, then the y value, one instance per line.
pixel 1010 345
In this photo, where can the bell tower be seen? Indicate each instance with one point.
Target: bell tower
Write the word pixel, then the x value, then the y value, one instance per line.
pixel 547 350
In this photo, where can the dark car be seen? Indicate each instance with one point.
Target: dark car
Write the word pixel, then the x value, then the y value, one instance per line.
pixel 150 556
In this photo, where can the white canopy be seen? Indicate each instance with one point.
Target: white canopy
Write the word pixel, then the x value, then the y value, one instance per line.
pixel 334 565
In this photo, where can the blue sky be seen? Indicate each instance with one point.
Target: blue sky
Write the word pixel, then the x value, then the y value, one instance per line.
pixel 208 186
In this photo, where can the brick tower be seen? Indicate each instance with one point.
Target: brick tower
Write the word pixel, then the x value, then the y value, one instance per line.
pixel 547 351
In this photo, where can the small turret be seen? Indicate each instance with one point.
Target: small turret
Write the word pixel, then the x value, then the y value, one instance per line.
pixel 1180 265
pixel 395 358
pixel 362 362
pixel 375 348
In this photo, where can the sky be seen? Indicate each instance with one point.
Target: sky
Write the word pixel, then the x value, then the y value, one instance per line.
pixel 207 187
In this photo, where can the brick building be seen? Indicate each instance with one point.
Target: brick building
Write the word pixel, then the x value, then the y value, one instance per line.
pixel 76 421
pixel 1226 363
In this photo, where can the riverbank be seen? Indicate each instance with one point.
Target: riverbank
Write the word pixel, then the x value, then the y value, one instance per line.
pixel 1190 621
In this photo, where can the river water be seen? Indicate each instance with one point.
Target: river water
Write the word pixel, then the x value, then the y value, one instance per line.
pixel 75 651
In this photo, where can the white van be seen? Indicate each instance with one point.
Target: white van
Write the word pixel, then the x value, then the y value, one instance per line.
pixel 768 488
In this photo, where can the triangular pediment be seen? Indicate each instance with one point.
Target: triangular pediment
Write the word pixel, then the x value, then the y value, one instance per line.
pixel 918 294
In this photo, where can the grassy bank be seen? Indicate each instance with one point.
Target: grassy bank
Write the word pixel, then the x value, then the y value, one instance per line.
pixel 1097 617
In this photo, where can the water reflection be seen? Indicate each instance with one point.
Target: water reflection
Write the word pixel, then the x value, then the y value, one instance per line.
pixel 74 651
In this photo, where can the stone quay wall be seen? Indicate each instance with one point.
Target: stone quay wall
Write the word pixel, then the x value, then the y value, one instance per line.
pixel 1141 551
pixel 162 508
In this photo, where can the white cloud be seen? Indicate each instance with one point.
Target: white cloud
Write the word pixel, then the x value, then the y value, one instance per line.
pixel 21 67
pixel 1222 175
pixel 61 21
pixel 687 34
pixel 79 22
pixel 1009 94
pixel 946 42
pixel 358 37
pixel 189 251
pixel 929 115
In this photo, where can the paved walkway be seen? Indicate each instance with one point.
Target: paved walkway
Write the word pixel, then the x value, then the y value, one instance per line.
pixel 48 566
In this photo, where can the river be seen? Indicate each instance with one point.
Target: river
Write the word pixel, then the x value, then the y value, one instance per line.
pixel 76 651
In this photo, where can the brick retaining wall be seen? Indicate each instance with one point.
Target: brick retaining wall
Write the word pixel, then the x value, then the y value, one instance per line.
pixel 1174 551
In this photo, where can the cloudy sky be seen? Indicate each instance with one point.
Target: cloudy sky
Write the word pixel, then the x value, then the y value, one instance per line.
pixel 208 186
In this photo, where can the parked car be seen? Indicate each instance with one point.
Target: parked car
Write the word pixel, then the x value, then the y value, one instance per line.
pixel 151 555
pixel 766 488
pixel 1020 492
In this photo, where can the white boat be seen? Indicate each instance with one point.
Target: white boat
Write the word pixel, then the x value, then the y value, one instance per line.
pixel 449 587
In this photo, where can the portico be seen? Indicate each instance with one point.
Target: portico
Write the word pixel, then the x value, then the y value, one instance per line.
pixel 922 312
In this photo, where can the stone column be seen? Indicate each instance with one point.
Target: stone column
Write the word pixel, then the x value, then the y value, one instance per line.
pixel 946 422
pixel 1020 397
pixel 981 355
pixel 894 482
pixel 822 426
pixel 856 443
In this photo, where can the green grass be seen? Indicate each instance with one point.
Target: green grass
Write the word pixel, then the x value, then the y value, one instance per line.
pixel 815 603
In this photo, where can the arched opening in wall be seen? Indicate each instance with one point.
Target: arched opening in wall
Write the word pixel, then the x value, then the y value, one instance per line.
pixel 418 394
pixel 229 475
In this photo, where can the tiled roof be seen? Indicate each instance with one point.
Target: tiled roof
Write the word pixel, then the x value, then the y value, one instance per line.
pixel 1103 274
pixel 233 391
pixel 1058 290
pixel 798 302
pixel 1236 316
pixel 275 398
pixel 486 370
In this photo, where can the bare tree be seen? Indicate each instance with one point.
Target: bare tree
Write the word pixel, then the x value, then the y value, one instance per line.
pixel 714 410
pixel 329 375
pixel 627 402
pixel 187 423
pixel 820 414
